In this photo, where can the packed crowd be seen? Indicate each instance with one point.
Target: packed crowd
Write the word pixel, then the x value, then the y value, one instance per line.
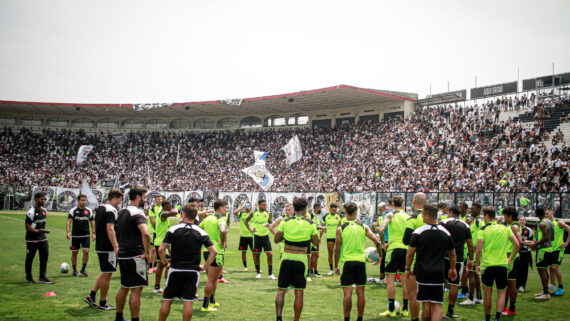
pixel 447 149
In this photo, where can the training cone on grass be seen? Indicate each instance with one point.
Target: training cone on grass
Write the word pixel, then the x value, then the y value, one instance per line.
pixel 50 293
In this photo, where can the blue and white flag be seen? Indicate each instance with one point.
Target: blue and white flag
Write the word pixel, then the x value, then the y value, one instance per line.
pixel 293 150
pixel 82 154
pixel 259 157
pixel 260 175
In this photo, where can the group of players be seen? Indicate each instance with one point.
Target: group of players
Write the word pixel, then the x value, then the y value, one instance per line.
pixel 429 248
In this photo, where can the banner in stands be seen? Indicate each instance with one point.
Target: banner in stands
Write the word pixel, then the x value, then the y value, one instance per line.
pixel 176 198
pixel 495 90
pixel 100 194
pixel 460 93
pixel 50 195
pixel 150 195
pixel 66 198
pixel 141 107
pixel 234 101
pixel 546 81
pixel 195 194
pixel 209 198
pixel 366 202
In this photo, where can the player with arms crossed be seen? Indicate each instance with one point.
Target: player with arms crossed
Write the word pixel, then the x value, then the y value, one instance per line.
pixel 261 220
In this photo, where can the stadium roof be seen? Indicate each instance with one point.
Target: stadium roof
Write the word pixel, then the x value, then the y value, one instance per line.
pixel 324 98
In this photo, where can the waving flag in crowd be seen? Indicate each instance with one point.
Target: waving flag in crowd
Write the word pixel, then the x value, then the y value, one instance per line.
pixel 293 150
pixel 82 154
pixel 258 172
pixel 91 198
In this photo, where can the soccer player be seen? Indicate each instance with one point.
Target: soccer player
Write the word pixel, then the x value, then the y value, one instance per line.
pixel 442 211
pixel 134 247
pixel 543 244
pixel 430 244
pixel 491 260
pixel 331 222
pixel 106 247
pixel 350 244
pixel 461 236
pixel 412 223
pixel 464 275
pixel 80 217
pixel 215 226
pixel 297 232
pixel 288 213
pixel 525 255
pixel 511 220
pixel 558 247
pixel 314 256
pixel 245 236
pixel 152 212
pixel 474 280
pixel 261 220
pixel 36 240
pixel 395 260
pixel 186 240
pixel 384 209
pixel 161 226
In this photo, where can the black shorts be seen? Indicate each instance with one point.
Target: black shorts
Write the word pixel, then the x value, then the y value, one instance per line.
pixel 543 259
pixel 432 293
pixel 557 257
pixel 107 262
pixel 383 262
pixel 512 270
pixel 245 242
pixel 133 272
pixel 152 238
pixel 292 274
pixel 181 285
pixel 353 272
pixel 218 261
pixel 396 261
pixel 261 243
pixel 497 274
pixel 458 268
pixel 331 240
pixel 314 248
pixel 79 242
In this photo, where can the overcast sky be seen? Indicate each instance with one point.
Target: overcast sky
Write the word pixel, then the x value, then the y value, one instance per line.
pixel 184 51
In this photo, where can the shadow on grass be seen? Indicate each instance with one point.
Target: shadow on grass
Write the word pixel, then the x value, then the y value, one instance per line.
pixel 84 312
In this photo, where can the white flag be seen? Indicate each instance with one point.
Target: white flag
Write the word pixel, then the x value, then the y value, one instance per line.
pixel 92 201
pixel 293 150
pixel 259 157
pixel 83 152
pixel 141 107
pixel 260 175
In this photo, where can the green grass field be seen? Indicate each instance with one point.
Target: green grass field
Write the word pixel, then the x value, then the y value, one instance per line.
pixel 244 299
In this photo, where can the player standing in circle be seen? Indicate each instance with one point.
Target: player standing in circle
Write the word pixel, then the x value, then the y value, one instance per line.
pixel 314 256
pixel 161 226
pixel 186 240
pixel 297 232
pixel 331 222
pixel 152 213
pixel 36 240
pixel 134 246
pixel 261 220
pixel 474 279
pixel 80 217
pixel 491 260
pixel 414 222
pixel 511 220
pixel 288 213
pixel 430 244
pixel 525 255
pixel 215 226
pixel 350 244
pixel 461 236
pixel 543 245
pixel 464 275
pixel 245 236
pixel 558 247
pixel 106 247
pixel 395 261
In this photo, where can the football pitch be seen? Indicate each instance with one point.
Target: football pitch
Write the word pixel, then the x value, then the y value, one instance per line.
pixel 245 298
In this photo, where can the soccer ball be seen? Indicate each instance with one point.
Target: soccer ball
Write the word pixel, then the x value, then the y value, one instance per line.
pixel 371 254
pixel 397 307
pixel 551 288
pixel 64 267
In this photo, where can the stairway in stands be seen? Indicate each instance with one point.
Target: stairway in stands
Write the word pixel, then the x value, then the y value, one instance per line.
pixel 550 124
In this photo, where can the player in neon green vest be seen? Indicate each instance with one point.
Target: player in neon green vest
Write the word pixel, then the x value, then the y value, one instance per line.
pixel 162 224
pixel 245 236
pixel 558 247
pixel 261 220
pixel 474 279
pixel 511 219
pixel 314 256
pixel 350 243
pixel 331 222
pixel 288 213
pixel 151 213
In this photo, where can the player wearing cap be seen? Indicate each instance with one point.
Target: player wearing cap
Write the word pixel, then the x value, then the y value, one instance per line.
pixel 297 232
pixel 491 260
pixel 350 244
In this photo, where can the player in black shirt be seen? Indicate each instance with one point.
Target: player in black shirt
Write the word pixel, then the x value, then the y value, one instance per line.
pixel 186 240
pixel 36 240
pixel 461 235
pixel 134 244
pixel 106 247
pixel 430 243
pixel 80 217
